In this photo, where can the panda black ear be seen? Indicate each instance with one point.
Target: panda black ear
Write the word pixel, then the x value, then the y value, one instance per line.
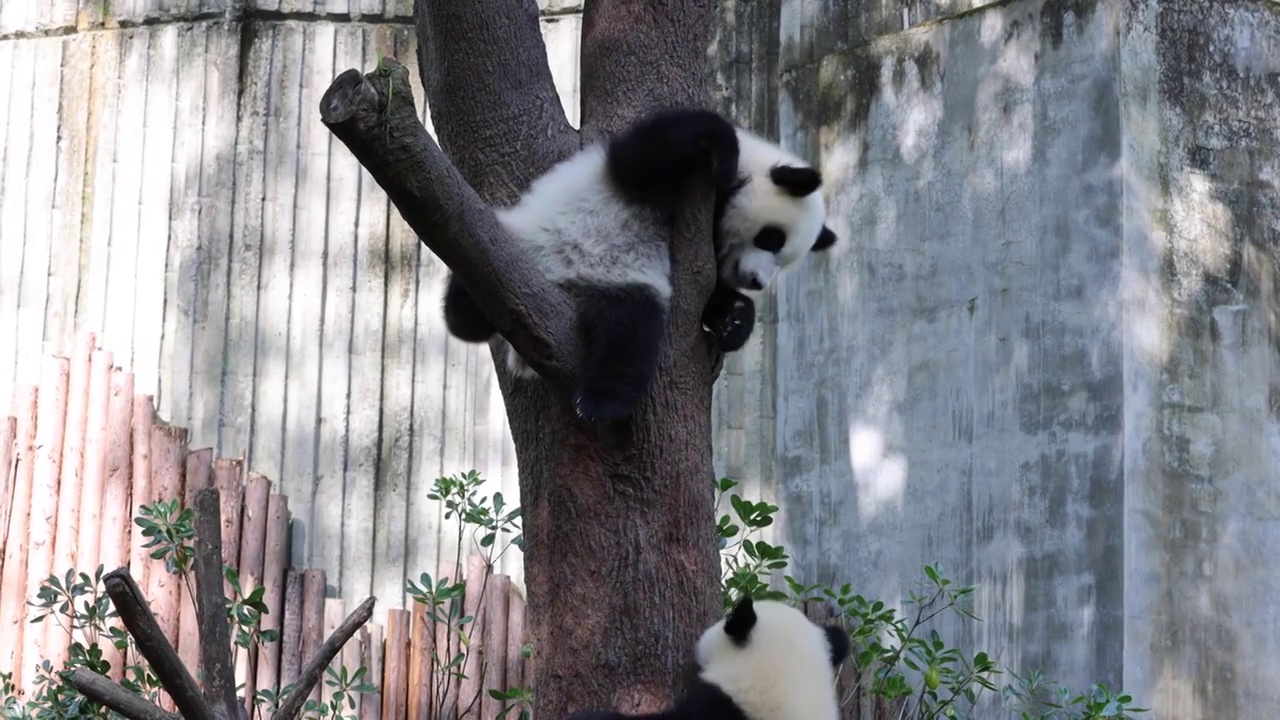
pixel 796 181
pixel 826 239
pixel 740 621
pixel 838 642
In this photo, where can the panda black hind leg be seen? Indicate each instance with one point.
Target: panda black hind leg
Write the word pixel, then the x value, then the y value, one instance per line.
pixel 651 159
pixel 462 316
pixel 622 329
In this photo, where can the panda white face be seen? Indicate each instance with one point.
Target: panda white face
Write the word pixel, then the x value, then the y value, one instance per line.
pixel 773 662
pixel 776 218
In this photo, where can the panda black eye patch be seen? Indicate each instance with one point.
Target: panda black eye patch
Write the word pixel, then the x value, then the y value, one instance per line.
pixel 771 238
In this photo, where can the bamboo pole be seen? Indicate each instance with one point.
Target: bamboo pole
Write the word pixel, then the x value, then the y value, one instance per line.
pixel 143 419
pixel 8 441
pixel 14 584
pixel 198 475
pixel 113 538
pixel 291 633
pixel 275 562
pixel 422 637
pixel 516 639
pixel 51 415
pixel 168 465
pixel 312 615
pixel 71 484
pixel 228 476
pixel 472 667
pixel 395 671
pixel 253 534
pixel 89 532
pixel 495 644
pixel 57 639
pixel 333 615
pixel 445 694
pixel 371 703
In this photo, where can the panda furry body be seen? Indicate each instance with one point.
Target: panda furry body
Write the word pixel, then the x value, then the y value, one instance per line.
pixel 598 224
pixel 765 661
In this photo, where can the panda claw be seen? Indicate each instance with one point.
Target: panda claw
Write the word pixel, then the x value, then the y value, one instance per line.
pixel 598 409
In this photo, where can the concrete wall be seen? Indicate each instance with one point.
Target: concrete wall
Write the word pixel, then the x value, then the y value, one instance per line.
pixel 1048 355
pixel 1200 86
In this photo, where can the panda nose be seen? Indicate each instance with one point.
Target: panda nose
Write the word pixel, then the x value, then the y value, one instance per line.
pixel 754 283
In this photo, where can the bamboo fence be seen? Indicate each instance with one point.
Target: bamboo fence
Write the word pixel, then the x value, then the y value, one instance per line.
pixel 81 452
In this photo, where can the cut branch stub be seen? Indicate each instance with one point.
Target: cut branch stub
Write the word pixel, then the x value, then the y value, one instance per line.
pixel 141 623
pixel 375 117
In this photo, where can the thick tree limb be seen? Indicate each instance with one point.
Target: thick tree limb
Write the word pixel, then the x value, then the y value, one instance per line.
pixel 374 116
pixel 113 695
pixel 138 619
pixel 488 60
pixel 314 671
pixel 211 604
pixel 641 54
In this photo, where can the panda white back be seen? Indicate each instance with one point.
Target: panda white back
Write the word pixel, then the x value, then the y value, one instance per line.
pixel 579 230
pixel 773 662
pixel 765 661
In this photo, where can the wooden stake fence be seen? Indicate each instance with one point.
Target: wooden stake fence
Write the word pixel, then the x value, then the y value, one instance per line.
pixel 81 453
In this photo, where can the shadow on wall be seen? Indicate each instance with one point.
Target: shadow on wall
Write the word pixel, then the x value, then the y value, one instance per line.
pixel 1205 416
pixel 1005 369
pixel 951 389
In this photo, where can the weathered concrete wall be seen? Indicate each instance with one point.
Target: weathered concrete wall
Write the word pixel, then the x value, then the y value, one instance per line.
pixel 1199 94
pixel 1047 356
pixel 953 380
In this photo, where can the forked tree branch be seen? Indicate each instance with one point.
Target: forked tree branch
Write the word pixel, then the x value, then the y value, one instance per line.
pixel 218 702
pixel 374 116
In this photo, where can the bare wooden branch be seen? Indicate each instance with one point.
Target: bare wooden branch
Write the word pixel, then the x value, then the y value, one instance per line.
pixel 314 671
pixel 374 116
pixel 211 605
pixel 515 94
pixel 141 624
pixel 113 695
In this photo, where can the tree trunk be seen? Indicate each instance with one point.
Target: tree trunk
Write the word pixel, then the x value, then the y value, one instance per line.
pixel 620 548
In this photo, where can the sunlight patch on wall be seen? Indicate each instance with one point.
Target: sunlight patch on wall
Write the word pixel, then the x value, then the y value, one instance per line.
pixel 879 474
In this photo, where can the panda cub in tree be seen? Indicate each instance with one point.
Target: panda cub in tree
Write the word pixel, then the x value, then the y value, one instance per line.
pixel 765 661
pixel 598 224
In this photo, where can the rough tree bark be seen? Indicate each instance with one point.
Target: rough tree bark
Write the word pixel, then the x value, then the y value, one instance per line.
pixel 620 562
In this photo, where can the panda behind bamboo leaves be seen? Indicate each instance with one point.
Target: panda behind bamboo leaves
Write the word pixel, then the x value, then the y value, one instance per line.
pixel 598 224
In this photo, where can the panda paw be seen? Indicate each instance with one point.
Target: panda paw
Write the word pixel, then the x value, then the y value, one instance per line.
pixel 732 329
pixel 600 408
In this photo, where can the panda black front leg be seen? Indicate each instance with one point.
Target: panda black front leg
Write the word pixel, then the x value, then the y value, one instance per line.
pixel 462 316
pixel 730 316
pixel 622 333
pixel 652 158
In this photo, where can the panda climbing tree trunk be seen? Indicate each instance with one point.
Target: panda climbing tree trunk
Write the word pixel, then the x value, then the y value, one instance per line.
pixel 621 563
